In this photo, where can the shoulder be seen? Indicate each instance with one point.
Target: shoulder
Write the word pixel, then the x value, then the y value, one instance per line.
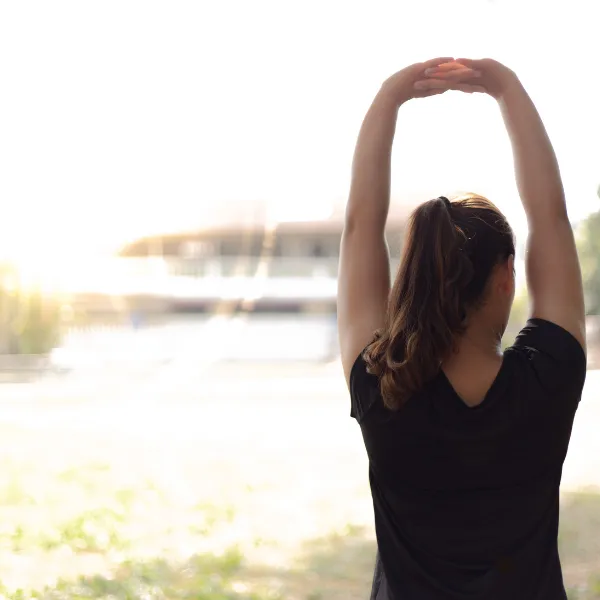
pixel 549 339
pixel 555 356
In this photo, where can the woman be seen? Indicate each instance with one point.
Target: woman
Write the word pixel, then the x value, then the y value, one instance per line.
pixel 466 443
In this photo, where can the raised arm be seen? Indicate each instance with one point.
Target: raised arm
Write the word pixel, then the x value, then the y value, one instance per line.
pixel 364 270
pixel 553 272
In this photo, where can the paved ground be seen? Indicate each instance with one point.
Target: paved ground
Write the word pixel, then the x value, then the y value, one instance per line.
pixel 237 403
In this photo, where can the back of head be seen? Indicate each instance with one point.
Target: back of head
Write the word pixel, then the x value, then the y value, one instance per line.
pixel 450 251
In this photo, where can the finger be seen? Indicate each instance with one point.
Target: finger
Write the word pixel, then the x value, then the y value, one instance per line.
pixel 434 62
pixel 427 85
pixel 447 66
pixel 454 74
pixel 468 88
pixel 469 62
pixel 435 84
pixel 434 92
pixel 430 84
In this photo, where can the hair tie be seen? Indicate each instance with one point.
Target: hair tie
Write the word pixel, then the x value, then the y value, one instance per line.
pixel 446 202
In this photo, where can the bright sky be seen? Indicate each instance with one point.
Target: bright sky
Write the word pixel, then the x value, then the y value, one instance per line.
pixel 120 118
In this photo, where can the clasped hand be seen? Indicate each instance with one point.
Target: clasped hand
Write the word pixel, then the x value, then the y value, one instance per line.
pixel 443 74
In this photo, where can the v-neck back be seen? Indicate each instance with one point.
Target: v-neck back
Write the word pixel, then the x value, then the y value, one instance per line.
pixel 453 392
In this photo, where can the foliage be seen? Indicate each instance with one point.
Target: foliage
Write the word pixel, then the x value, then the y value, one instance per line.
pixel 518 317
pixel 589 255
pixel 37 325
pixel 588 246
pixel 29 319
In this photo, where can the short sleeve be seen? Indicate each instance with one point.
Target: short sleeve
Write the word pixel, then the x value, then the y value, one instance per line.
pixel 557 358
pixel 364 389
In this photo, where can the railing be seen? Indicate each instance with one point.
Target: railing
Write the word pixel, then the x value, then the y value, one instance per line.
pixel 281 279
pixel 239 266
pixel 251 265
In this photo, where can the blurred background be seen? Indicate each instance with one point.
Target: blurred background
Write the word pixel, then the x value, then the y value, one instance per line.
pixel 174 421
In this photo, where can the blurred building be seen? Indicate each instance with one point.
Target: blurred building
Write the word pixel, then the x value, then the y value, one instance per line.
pixel 283 266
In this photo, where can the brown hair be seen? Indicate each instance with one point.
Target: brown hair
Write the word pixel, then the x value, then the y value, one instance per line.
pixel 449 253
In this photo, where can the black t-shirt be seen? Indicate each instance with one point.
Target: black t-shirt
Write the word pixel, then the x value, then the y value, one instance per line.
pixel 466 500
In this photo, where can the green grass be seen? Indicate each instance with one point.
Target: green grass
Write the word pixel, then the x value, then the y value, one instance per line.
pixel 201 577
pixel 79 520
pixel 579 543
pixel 579 537
pixel 96 530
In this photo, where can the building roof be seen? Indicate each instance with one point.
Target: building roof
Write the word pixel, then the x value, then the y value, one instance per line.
pixel 249 221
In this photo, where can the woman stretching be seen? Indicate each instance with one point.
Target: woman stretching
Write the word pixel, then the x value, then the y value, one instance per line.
pixel 465 442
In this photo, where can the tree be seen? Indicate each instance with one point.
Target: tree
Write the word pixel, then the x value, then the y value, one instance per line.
pixel 29 320
pixel 589 255
pixel 518 317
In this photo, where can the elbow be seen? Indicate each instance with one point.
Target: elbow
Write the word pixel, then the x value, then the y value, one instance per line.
pixel 547 213
pixel 364 221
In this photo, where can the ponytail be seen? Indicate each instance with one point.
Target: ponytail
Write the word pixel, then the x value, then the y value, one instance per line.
pixel 437 282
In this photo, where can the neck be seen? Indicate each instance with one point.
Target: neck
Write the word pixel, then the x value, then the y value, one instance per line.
pixel 480 340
